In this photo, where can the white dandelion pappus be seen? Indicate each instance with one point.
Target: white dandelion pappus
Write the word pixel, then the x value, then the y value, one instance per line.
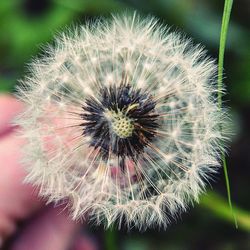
pixel 122 122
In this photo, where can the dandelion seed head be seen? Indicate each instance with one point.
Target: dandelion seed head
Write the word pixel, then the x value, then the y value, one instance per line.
pixel 121 120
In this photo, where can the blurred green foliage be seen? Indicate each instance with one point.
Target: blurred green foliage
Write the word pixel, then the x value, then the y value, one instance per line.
pixel 26 25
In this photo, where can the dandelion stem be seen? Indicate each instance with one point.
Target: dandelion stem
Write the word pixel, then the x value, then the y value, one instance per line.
pixel 110 239
pixel 223 36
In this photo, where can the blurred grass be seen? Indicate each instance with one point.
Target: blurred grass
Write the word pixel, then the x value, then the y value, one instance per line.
pixel 6 85
pixel 216 204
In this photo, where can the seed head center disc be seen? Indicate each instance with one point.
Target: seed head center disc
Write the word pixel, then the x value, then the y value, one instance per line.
pixel 120 124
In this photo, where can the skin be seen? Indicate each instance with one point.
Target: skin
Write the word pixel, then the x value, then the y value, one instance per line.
pixel 42 227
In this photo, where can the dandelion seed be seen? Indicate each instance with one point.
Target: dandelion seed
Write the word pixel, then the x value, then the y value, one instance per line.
pixel 121 120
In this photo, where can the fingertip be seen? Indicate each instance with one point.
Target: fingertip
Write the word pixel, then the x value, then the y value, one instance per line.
pixel 85 242
pixel 1 242
pixel 7 227
pixel 9 108
pixel 52 229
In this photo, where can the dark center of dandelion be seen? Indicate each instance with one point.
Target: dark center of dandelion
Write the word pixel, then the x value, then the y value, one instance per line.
pixel 120 120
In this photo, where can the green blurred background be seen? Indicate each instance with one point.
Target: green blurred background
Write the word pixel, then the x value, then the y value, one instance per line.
pixel 25 25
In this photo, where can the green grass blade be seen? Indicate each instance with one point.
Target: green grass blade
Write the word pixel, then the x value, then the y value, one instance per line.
pixel 223 37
